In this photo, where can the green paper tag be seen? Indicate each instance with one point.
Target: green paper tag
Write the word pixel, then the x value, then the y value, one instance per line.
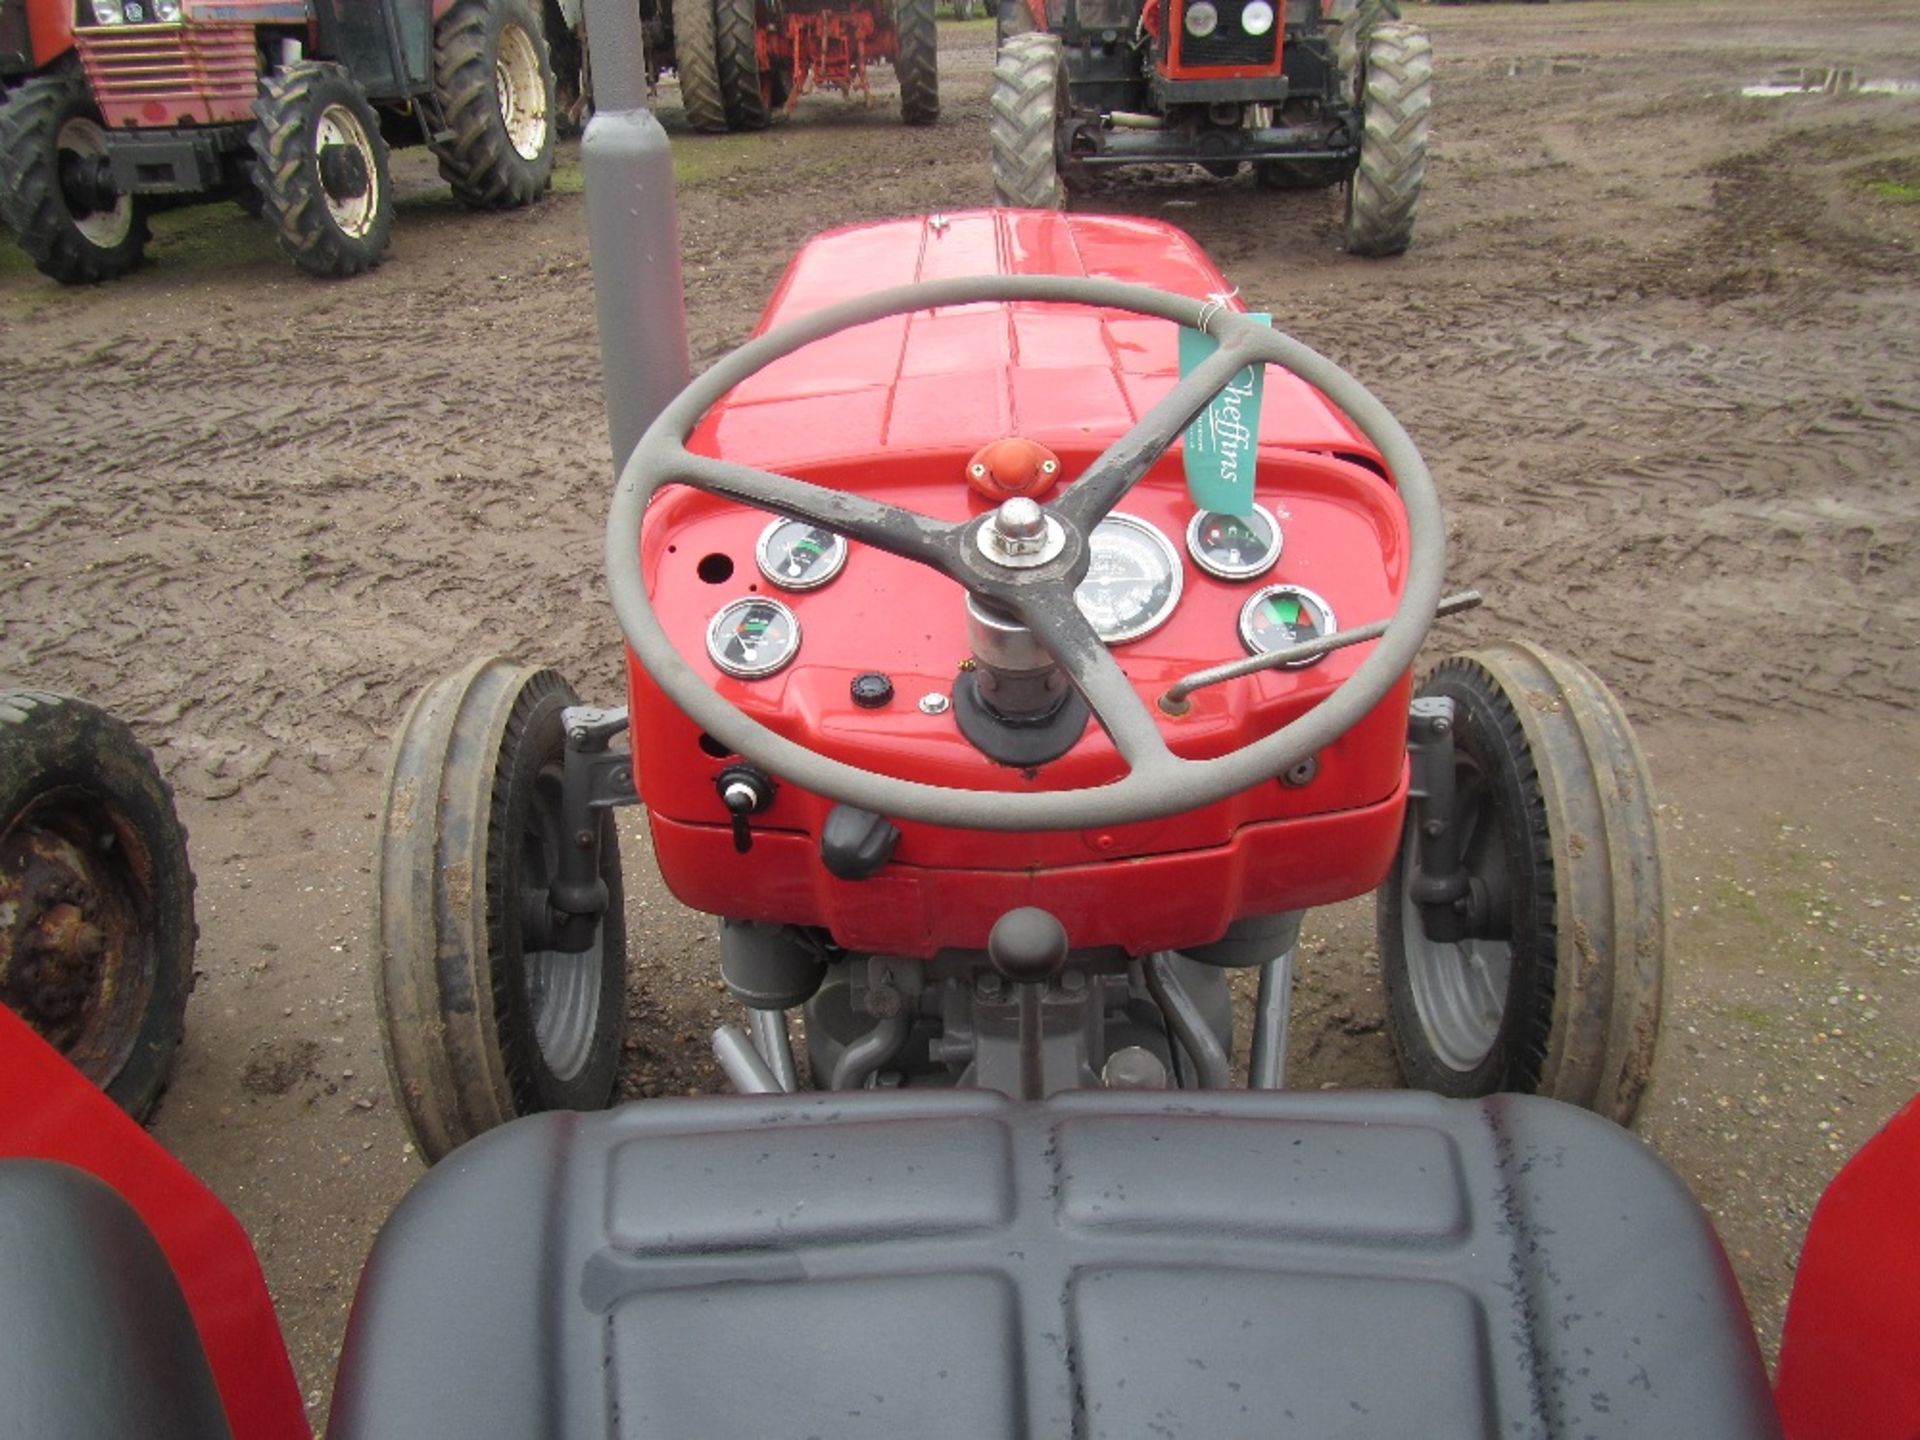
pixel 1222 440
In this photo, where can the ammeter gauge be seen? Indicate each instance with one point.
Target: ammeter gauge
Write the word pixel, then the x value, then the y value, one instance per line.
pixel 753 637
pixel 799 555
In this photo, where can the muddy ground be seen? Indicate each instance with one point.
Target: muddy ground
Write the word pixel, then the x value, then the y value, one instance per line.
pixel 1660 341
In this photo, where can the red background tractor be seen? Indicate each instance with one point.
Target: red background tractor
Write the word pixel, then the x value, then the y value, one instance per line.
pixel 287 106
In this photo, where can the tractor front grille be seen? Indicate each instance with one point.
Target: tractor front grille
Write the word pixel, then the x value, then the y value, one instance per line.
pixel 146 76
pixel 1228 44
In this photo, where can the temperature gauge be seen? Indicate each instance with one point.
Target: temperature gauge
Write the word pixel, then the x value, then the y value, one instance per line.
pixel 1284 615
pixel 799 555
pixel 1234 547
pixel 1133 579
pixel 753 637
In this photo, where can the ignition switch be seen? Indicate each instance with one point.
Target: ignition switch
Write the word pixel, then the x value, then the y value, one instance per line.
pixel 745 791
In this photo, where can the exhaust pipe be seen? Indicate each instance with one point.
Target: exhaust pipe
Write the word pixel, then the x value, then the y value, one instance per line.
pixel 633 232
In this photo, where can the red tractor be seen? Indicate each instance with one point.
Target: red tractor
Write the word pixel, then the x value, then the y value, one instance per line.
pixel 287 106
pixel 742 62
pixel 929 707
pixel 1311 93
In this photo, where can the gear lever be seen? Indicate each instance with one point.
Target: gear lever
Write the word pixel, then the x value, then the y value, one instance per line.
pixel 1028 946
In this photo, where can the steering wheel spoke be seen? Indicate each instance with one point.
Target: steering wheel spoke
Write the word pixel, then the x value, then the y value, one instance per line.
pixel 1120 467
pixel 872 522
pixel 1054 618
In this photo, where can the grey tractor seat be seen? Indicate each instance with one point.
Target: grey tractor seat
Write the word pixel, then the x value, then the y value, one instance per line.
pixel 930 1264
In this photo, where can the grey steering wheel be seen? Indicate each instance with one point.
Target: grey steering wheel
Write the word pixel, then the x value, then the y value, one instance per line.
pixel 1157 782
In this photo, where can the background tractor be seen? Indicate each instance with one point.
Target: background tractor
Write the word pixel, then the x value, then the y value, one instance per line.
pixel 1311 93
pixel 288 106
pixel 741 61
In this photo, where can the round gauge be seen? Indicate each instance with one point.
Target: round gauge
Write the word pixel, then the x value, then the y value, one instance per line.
pixel 1284 615
pixel 799 555
pixel 753 637
pixel 1234 547
pixel 1133 579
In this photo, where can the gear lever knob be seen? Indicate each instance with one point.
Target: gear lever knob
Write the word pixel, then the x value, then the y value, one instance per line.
pixel 1028 946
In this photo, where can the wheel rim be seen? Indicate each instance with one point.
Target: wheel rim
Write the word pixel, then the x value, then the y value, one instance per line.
pixel 562 989
pixel 523 99
pixel 354 215
pixel 75 960
pixel 107 228
pixel 1459 988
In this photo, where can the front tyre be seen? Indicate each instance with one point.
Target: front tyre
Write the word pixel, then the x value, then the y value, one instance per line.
pixel 494 79
pixel 1028 106
pixel 96 895
pixel 321 168
pixel 481 1020
pixel 1559 991
pixel 53 195
pixel 1396 99
pixel 916 63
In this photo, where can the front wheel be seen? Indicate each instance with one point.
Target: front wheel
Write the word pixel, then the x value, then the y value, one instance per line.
pixel 482 1020
pixel 322 170
pixel 1028 106
pixel 494 79
pixel 1396 99
pixel 96 895
pixel 54 192
pixel 917 62
pixel 1558 990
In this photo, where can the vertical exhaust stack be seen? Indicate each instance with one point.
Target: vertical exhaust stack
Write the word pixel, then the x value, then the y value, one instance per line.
pixel 633 230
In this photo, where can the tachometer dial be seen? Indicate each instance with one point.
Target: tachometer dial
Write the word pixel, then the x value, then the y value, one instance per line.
pixel 799 555
pixel 1284 615
pixel 753 637
pixel 1234 547
pixel 1133 579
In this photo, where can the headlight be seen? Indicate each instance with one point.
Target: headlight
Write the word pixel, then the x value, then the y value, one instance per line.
pixel 108 12
pixel 1256 19
pixel 166 11
pixel 1202 19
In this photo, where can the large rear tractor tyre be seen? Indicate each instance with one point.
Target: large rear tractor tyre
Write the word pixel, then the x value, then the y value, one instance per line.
pixel 322 171
pixel 1560 992
pixel 96 895
pixel 1396 101
pixel 917 63
pixel 481 1020
pixel 696 61
pixel 747 93
pixel 1027 107
pixel 52 146
pixel 493 75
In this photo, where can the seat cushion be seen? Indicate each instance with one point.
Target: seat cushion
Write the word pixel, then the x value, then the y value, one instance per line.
pixel 949 1263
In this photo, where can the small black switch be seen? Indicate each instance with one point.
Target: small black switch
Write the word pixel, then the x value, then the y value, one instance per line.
pixel 744 791
pixel 871 691
pixel 854 843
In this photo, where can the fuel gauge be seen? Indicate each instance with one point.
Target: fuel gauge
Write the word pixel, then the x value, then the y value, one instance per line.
pixel 1234 547
pixel 799 555
pixel 753 637
pixel 1281 616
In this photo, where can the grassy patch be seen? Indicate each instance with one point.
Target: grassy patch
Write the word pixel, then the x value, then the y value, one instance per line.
pixel 1896 192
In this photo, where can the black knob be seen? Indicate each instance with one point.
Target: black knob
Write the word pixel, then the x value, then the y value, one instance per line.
pixel 871 691
pixel 1027 945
